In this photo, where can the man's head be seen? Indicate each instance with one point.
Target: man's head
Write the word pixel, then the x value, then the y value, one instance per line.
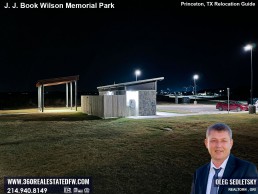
pixel 219 142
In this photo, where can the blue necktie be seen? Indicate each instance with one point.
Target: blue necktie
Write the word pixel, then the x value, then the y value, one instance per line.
pixel 214 188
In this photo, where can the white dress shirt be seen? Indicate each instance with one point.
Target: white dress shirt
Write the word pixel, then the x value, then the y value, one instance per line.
pixel 212 173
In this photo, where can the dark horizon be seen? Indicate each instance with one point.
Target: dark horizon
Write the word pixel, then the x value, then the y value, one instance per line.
pixel 107 46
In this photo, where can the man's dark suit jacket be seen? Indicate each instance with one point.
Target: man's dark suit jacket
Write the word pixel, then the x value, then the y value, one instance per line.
pixel 235 168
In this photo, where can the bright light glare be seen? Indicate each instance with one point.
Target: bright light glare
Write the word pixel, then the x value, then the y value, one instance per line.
pixel 132 101
pixel 137 72
pixel 195 76
pixel 248 47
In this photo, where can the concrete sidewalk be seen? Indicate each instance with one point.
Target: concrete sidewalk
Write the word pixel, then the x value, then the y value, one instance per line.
pixel 167 115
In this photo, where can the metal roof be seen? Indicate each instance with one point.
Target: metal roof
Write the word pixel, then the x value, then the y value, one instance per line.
pixel 57 81
pixel 130 83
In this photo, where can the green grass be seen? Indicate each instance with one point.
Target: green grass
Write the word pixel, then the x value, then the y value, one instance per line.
pixel 121 155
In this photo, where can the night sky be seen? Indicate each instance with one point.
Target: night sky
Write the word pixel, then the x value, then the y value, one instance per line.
pixel 107 46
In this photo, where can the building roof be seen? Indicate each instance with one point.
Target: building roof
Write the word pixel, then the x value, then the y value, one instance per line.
pixel 130 83
pixel 57 81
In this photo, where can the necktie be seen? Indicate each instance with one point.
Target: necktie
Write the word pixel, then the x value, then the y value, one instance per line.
pixel 214 188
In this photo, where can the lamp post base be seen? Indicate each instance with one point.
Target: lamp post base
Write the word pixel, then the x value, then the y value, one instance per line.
pixel 252 109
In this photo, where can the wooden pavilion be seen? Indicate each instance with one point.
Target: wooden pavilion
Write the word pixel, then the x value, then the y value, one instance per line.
pixel 57 81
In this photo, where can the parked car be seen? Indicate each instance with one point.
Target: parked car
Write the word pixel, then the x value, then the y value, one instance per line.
pixel 233 105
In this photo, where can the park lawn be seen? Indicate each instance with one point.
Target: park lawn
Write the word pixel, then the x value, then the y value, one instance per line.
pixel 121 155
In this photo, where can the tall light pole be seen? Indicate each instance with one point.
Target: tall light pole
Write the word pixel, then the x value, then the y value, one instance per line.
pixel 249 47
pixel 195 77
pixel 137 73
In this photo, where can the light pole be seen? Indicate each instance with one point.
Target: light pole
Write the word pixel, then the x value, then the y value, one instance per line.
pixel 137 73
pixel 252 108
pixel 195 77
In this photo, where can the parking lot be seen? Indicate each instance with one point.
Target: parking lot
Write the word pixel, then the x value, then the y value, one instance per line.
pixel 187 108
pixel 176 110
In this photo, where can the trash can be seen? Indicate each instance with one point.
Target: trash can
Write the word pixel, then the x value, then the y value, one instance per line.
pixel 252 109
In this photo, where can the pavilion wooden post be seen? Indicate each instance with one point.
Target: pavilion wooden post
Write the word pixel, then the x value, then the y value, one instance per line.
pixel 75 95
pixel 42 98
pixel 39 98
pixel 71 94
pixel 67 95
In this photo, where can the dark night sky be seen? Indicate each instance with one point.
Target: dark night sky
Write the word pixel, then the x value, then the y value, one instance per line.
pixel 106 46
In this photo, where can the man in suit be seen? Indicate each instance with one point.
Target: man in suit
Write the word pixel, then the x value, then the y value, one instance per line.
pixel 223 164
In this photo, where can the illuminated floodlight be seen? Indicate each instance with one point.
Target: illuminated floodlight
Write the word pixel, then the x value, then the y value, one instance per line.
pixel 195 76
pixel 137 73
pixel 248 47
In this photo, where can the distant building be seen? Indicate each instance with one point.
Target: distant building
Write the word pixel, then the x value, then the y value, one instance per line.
pixel 137 98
